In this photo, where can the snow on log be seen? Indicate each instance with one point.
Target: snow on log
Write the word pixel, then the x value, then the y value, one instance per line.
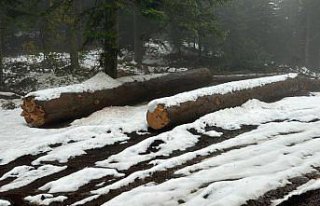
pixel 221 78
pixel 188 106
pixel 55 105
pixel 9 95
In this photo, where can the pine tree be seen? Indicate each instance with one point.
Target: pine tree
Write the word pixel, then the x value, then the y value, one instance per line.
pixel 9 10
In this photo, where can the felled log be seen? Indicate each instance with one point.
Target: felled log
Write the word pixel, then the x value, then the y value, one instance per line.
pixel 223 78
pixel 9 95
pixel 189 106
pixel 67 103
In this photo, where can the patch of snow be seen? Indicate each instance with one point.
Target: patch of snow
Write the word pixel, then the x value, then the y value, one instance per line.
pixel 68 150
pixel 309 186
pixel 236 176
pixel 140 78
pixel 80 178
pixel 26 175
pixel 84 201
pixel 10 104
pixel 16 172
pixel 315 93
pixel 99 82
pixel 253 112
pixel 173 69
pixel 91 59
pixel 287 149
pixel 306 71
pixel 45 199
pixel 8 94
pixel 4 203
pixel 177 139
pixel 156 47
pixel 219 89
pixel 28 59
pixel 117 123
pixel 128 118
pixel 104 127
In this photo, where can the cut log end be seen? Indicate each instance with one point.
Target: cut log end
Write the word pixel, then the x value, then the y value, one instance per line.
pixel 33 113
pixel 159 118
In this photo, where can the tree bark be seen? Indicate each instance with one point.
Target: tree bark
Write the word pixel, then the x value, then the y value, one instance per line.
pixel 72 37
pixel 74 56
pixel 110 48
pixel 138 42
pixel 45 35
pixel 307 39
pixel 189 111
pixel 1 53
pixel 74 105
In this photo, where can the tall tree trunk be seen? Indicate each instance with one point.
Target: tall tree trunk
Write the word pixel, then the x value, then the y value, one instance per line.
pixel 318 63
pixel 44 34
pixel 73 49
pixel 78 5
pixel 138 42
pixel 72 37
pixel 307 39
pixel 111 40
pixel 1 53
pixel 199 46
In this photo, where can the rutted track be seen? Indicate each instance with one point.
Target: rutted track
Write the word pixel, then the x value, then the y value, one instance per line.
pixel 152 162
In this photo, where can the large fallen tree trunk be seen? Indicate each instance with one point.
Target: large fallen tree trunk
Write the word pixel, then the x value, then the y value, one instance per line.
pixel 223 78
pixel 189 106
pixel 66 103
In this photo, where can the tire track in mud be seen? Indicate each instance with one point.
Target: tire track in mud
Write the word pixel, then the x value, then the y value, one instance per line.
pixel 310 198
pixel 73 165
pixel 94 155
pixel 162 176
pixel 307 198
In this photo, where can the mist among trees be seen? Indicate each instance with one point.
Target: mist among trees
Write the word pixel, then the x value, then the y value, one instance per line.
pixel 218 34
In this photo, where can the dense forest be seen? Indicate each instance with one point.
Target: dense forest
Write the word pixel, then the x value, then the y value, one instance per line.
pixel 218 34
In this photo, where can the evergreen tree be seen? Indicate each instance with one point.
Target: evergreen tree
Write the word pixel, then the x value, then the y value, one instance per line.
pixel 249 25
pixel 9 11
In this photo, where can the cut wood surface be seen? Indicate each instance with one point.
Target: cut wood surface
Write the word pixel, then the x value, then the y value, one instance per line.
pixel 66 103
pixel 188 106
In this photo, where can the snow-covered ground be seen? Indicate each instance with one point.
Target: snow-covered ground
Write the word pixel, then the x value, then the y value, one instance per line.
pixel 283 143
pixel 108 126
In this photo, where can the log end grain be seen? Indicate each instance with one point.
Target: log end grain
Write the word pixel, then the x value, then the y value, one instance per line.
pixel 33 114
pixel 159 118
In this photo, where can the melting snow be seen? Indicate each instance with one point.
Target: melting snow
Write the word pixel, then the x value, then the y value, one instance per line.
pixel 4 203
pixel 309 186
pixel 74 181
pixel 26 175
pixel 99 82
pixel 45 199
pixel 284 145
pixel 107 126
pixel 219 89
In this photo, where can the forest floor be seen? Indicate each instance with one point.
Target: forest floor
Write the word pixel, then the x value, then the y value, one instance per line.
pixel 255 154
